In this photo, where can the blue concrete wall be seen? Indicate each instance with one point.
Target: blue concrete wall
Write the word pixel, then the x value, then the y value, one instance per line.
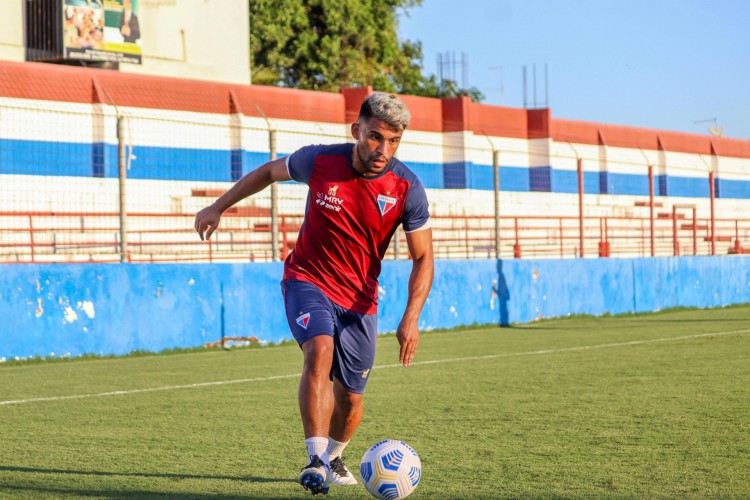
pixel 72 310
pixel 116 309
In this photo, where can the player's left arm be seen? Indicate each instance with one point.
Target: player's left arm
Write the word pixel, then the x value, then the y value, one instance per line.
pixel 420 282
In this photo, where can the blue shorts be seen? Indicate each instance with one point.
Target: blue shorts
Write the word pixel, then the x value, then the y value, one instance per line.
pixel 310 313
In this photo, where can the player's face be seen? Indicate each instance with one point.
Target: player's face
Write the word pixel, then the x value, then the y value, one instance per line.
pixel 377 142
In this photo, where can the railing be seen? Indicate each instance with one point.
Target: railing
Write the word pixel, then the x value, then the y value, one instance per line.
pixel 38 237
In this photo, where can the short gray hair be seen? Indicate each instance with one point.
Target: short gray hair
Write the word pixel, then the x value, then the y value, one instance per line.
pixel 385 107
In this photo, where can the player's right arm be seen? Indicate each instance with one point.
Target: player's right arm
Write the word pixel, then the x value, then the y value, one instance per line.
pixel 207 220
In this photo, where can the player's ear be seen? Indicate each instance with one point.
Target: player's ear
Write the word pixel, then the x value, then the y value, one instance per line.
pixel 356 130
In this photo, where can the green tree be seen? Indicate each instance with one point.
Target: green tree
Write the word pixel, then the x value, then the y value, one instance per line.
pixel 330 44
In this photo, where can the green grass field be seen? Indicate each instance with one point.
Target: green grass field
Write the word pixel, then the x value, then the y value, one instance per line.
pixel 646 406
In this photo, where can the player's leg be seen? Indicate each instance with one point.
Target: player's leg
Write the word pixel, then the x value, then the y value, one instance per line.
pixel 347 414
pixel 315 392
pixel 354 343
pixel 310 319
pixel 316 405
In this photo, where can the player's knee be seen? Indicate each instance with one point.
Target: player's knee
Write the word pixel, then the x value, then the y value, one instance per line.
pixel 318 354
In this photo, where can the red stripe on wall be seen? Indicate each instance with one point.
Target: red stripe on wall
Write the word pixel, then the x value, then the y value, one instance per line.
pixel 47 82
pixel 643 138
pixel 141 91
pixel 456 113
pixel 540 121
pixel 291 104
pixel 497 121
pixel 734 148
pixel 426 113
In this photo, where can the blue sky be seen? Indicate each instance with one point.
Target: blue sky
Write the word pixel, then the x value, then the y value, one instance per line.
pixel 661 64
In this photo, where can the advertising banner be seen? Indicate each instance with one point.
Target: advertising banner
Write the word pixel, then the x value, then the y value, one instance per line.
pixel 102 30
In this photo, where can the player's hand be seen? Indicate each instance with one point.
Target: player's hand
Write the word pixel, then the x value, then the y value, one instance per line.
pixel 207 221
pixel 408 337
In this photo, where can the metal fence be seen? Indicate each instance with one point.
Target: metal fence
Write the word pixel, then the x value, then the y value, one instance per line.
pixel 38 237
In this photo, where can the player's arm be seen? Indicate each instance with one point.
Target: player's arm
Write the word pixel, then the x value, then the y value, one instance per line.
pixel 207 220
pixel 420 282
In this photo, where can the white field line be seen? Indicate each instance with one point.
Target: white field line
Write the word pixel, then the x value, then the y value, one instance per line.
pixel 430 362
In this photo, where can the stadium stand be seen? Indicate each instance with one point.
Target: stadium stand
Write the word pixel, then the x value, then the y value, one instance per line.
pixel 101 166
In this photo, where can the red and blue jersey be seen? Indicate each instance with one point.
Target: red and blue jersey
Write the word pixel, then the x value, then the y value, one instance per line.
pixel 349 222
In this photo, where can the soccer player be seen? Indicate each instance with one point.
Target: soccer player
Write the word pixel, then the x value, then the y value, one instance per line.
pixel 358 195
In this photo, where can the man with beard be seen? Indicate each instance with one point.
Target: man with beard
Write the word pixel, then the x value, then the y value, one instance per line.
pixel 358 196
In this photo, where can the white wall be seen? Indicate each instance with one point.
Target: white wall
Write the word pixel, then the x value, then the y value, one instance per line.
pixel 198 39
pixel 11 31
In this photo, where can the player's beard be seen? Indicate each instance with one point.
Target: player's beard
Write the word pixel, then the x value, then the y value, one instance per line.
pixel 369 163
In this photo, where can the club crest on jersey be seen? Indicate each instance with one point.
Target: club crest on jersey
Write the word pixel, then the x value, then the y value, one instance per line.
pixel 386 203
pixel 304 320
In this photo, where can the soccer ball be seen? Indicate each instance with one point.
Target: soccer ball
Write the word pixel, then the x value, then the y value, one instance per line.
pixel 390 469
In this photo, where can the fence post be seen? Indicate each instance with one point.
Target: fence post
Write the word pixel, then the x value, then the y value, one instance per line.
pixel 496 178
pixel 122 168
pixel 274 202
pixel 466 236
pixel 31 238
pixel 737 243
pixel 651 207
pixel 580 206
pixel 675 237
pixel 516 246
pixel 712 191
pixel 695 232
pixel 604 249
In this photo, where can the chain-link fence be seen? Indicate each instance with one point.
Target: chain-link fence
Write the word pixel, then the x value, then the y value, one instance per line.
pixel 100 179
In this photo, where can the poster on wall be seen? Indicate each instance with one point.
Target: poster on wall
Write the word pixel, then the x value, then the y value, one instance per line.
pixel 102 30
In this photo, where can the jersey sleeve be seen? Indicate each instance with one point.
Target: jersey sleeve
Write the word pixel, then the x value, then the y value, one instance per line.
pixel 300 163
pixel 416 209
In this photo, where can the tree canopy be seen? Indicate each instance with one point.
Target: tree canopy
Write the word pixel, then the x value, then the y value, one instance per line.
pixel 331 44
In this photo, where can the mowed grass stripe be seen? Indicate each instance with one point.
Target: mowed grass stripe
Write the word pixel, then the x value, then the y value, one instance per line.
pixel 395 365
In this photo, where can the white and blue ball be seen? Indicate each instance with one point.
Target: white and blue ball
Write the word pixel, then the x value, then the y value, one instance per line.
pixel 390 469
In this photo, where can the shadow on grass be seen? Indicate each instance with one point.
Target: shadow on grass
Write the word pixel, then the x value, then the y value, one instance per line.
pixel 62 491
pixel 164 475
pixel 65 492
pixel 69 492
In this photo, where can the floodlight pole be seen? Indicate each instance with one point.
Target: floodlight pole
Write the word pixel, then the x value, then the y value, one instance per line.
pixel 122 168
